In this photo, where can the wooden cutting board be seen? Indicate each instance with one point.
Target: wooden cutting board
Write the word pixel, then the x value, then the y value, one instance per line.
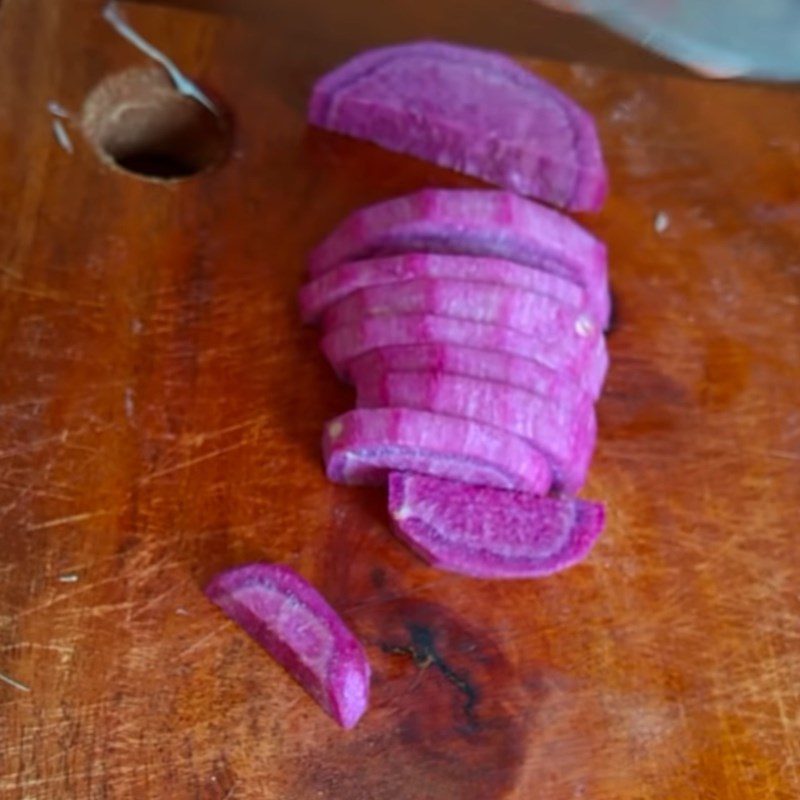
pixel 160 415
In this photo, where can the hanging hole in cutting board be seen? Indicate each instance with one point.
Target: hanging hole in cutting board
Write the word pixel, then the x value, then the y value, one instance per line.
pixel 139 122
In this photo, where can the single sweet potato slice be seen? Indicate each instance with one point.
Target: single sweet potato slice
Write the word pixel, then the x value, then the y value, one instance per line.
pixel 364 445
pixel 455 359
pixel 491 533
pixel 296 625
pixel 566 436
pixel 416 222
pixel 346 278
pixel 472 110
pixel 489 223
pixel 340 345
pixel 527 312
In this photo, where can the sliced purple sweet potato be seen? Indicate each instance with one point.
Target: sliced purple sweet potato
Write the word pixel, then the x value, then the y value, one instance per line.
pixel 565 435
pixel 346 278
pixel 433 220
pixel 455 359
pixel 296 625
pixel 364 445
pixel 527 312
pixel 475 111
pixel 345 343
pixel 491 533
pixel 491 224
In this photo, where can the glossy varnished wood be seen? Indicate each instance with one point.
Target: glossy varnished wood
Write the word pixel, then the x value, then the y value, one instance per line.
pixel 160 413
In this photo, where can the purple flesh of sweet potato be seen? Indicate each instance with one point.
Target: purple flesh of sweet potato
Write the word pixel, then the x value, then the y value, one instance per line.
pixel 294 623
pixel 343 344
pixel 489 224
pixel 454 359
pixel 475 111
pixel 491 533
pixel 363 446
pixel 347 278
pixel 565 436
pixel 528 312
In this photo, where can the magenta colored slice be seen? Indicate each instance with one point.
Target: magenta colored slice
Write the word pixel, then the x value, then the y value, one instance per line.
pixel 364 445
pixel 475 111
pixel 527 312
pixel 419 221
pixel 291 620
pixel 344 279
pixel 344 344
pixel 491 533
pixel 565 435
pixel 487 223
pixel 455 359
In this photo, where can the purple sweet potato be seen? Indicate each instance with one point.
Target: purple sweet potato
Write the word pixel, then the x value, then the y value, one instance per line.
pixel 474 111
pixel 527 312
pixel 565 436
pixel 491 533
pixel 294 623
pixel 363 446
pixel 344 279
pixel 454 359
pixel 491 224
pixel 343 344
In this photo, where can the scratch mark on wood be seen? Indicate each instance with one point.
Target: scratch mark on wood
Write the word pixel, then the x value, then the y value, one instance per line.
pixel 88 587
pixel 154 601
pixel 56 648
pixel 13 682
pixel 201 438
pixel 130 407
pixel 789 456
pixel 34 491
pixel 203 640
pixel 191 462
pixel 44 294
pixel 55 523
pixel 33 447
pixel 99 610
pixel 119 771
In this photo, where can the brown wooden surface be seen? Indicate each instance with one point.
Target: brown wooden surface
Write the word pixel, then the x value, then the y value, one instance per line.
pixel 160 411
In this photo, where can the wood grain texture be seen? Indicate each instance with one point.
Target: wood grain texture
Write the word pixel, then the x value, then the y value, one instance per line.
pixel 160 414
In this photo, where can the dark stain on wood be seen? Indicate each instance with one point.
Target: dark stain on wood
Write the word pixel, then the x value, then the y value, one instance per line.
pixel 423 652
pixel 448 709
